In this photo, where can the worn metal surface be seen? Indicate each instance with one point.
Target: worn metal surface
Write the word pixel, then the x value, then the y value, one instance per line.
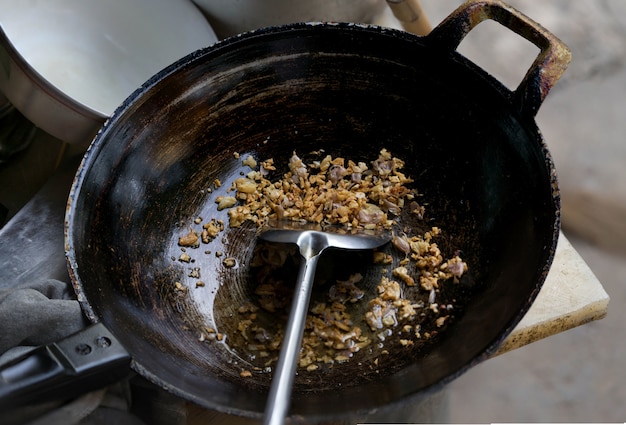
pixel 479 160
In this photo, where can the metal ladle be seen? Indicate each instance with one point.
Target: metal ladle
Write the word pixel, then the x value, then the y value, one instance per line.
pixel 312 241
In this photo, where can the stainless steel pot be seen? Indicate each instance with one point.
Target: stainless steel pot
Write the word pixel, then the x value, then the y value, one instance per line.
pixel 43 103
pixel 236 16
pixel 66 64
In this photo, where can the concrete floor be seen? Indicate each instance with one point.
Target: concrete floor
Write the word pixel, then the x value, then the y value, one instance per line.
pixel 579 375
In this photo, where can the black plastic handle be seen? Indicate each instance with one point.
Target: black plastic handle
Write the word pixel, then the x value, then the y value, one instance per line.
pixel 87 360
pixel 552 61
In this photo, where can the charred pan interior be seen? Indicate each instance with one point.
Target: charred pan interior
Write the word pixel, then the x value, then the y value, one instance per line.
pixel 480 164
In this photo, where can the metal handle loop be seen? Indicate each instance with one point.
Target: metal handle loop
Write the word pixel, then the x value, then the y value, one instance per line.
pixel 550 64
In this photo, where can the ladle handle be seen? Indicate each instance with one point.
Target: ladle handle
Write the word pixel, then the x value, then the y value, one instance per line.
pixel 411 15
pixel 554 56
pixel 279 398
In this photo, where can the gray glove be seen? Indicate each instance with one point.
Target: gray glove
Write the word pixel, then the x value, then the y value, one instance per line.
pixel 36 314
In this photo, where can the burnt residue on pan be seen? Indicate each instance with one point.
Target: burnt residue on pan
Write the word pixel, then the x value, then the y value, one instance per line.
pixel 474 151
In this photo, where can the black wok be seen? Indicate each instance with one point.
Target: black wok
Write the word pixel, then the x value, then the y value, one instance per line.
pixel 471 145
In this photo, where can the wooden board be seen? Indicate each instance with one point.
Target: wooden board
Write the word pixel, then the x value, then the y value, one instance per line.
pixel 571 296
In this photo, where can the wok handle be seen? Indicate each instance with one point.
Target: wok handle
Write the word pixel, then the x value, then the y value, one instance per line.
pixel 89 359
pixel 553 58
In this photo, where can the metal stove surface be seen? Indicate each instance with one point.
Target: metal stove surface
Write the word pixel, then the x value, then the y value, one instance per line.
pixel 32 241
